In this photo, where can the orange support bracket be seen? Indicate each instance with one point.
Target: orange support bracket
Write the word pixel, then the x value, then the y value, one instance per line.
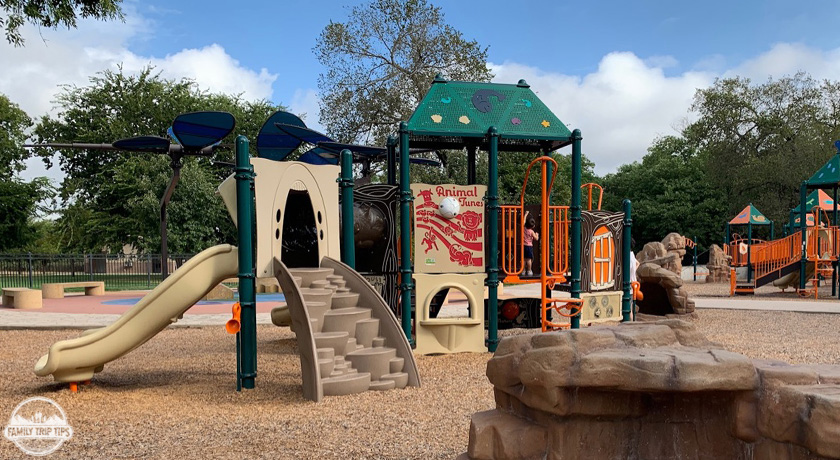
pixel 637 290
pixel 732 282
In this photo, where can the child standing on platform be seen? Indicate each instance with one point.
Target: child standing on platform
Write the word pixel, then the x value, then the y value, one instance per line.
pixel 528 237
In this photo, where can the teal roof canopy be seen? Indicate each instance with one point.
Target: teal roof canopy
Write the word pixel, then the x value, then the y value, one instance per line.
pixel 829 174
pixel 455 113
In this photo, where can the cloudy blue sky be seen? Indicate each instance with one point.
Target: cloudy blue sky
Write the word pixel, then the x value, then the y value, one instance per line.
pixel 623 72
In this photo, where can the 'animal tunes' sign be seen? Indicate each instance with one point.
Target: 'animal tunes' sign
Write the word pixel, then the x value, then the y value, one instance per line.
pixel 448 228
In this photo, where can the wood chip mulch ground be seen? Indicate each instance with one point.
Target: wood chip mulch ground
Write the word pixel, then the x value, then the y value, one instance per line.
pixel 174 396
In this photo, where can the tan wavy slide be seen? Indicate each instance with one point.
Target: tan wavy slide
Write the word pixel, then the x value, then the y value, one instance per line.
pixel 76 360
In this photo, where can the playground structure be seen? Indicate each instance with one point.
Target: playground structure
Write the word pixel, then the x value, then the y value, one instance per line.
pixel 347 340
pixel 602 267
pixel 496 118
pixel 326 369
pixel 805 257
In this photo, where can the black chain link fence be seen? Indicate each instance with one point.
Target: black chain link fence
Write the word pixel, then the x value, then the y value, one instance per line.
pixel 119 271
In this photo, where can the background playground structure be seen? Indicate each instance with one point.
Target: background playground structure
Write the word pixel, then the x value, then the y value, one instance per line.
pixel 806 257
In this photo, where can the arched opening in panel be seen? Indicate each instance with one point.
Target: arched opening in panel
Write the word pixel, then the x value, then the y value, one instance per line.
pixel 450 303
pixel 300 233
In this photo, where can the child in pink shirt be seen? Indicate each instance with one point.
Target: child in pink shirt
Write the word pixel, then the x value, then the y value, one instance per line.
pixel 528 237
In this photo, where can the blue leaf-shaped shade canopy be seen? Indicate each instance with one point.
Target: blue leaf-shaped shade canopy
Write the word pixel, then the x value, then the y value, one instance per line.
pixel 321 156
pixel 424 161
pixel 197 130
pixel 303 134
pixel 274 143
pixel 153 144
pixel 361 150
pixel 316 157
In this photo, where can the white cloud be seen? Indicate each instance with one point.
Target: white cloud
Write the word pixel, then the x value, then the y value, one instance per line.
pixel 620 108
pixel 211 68
pixel 785 59
pixel 38 70
pixel 305 105
pixel 628 102
pixel 32 75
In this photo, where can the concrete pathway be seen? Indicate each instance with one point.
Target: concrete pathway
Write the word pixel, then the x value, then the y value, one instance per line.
pixel 726 303
pixel 25 319
pixel 742 303
pixel 17 319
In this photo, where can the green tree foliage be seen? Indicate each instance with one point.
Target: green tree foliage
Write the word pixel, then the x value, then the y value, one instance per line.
pixel 19 200
pixel 52 14
pixel 19 205
pixel 670 192
pixel 762 141
pixel 14 124
pixel 113 198
pixel 381 62
pixel 750 143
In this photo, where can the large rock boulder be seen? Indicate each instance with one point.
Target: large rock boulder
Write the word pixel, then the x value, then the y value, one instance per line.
pixel 718 265
pixel 660 281
pixel 675 244
pixel 651 391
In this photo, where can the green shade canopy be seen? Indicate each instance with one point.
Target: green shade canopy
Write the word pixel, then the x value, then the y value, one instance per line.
pixel 750 215
pixel 455 113
pixel 829 174
pixel 817 198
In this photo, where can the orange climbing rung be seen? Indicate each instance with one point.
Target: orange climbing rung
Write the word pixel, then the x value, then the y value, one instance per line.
pixel 554 248
pixel 589 188
pixel 513 261
pixel 572 305
pixel 512 224
pixel 560 222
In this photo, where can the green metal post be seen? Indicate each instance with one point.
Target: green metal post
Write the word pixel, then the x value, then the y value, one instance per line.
pixel 627 297
pixel 803 228
pixel 406 284
pixel 726 241
pixel 247 337
pixel 749 250
pixel 790 226
pixel 772 234
pixel 471 164
pixel 392 160
pixel 834 223
pixel 492 200
pixel 348 243
pixel 695 257
pixel 575 230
